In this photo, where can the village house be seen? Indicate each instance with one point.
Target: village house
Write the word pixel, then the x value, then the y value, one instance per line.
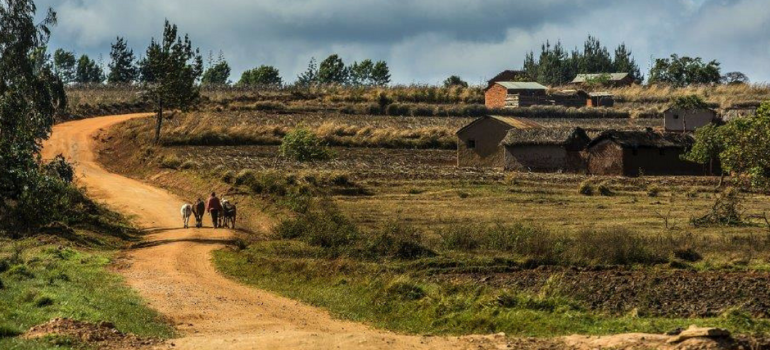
pixel 504 94
pixel 545 150
pixel 601 99
pixel 569 98
pixel 612 79
pixel 634 153
pixel 686 120
pixel 478 143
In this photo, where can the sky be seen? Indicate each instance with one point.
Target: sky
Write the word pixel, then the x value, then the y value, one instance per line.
pixel 424 41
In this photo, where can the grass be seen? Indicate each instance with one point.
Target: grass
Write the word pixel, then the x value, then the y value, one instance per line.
pixel 373 293
pixel 54 280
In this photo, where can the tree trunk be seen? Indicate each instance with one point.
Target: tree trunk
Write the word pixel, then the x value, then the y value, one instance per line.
pixel 159 121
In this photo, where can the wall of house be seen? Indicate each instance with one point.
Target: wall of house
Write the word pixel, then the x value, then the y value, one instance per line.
pixel 487 135
pixel 605 158
pixel 656 161
pixel 541 158
pixel 687 120
pixel 495 96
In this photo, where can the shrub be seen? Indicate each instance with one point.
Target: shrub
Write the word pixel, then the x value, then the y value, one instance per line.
pixel 689 255
pixel 245 177
pixel 302 145
pixel 269 106
pixel 20 271
pixel 189 165
pixel 586 188
pixel 397 241
pixel 726 211
pixel 170 162
pixel 405 290
pixel 61 168
pixel 604 189
pixel 465 238
pixel 228 177
pixel 326 227
pixel 43 301
pixel 615 246
pixel 8 332
pixel 653 191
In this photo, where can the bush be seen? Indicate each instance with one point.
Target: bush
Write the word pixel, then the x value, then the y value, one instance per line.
pixel 60 168
pixel 302 145
pixel 228 177
pixel 604 189
pixel 397 241
pixel 325 227
pixel 189 165
pixel 689 255
pixel 586 188
pixel 615 247
pixel 43 301
pixel 9 332
pixel 653 191
pixel 170 162
pixel 269 106
pixel 404 290
pixel 245 177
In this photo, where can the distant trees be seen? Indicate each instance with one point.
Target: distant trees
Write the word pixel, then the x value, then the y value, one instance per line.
pixel 733 78
pixel 555 66
pixel 267 76
pixel 170 71
pixel 64 63
pixel 88 71
pixel 455 81
pixel 332 71
pixel 684 71
pixel 218 72
pixel 123 70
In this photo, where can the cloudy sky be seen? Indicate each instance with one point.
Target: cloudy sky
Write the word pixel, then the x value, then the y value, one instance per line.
pixel 424 41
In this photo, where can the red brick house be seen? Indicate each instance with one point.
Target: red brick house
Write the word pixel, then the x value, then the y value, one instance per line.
pixel 504 94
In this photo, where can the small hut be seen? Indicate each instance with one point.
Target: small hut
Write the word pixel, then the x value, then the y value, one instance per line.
pixel 504 94
pixel 633 153
pixel 601 99
pixel 680 119
pixel 545 150
pixel 478 143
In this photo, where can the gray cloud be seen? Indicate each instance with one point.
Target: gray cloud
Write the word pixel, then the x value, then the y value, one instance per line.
pixel 424 41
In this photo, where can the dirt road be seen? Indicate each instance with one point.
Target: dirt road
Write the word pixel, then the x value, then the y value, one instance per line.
pixel 177 278
pixel 175 275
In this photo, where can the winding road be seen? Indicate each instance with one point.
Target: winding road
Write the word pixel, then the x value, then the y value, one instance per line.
pixel 175 275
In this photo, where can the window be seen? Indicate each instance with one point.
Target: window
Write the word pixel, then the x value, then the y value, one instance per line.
pixel 676 116
pixel 471 144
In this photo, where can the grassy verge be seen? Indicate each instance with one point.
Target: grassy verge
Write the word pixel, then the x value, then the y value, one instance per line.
pixel 378 294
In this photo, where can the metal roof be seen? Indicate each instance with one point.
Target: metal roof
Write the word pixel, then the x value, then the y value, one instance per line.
pixel 581 78
pixel 516 85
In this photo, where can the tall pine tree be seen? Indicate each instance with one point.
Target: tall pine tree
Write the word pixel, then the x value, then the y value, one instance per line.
pixel 122 67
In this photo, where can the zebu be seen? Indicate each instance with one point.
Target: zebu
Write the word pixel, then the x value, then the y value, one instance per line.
pixel 187 211
pixel 229 214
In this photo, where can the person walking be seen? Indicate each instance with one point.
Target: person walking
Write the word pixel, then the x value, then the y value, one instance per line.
pixel 214 207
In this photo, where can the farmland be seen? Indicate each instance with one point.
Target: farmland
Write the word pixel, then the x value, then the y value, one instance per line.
pixel 394 223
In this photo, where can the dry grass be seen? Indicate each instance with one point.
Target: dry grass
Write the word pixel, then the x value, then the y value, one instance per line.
pixel 723 96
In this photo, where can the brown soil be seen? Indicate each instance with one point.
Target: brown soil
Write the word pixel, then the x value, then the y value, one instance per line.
pixel 661 293
pixel 176 277
pixel 102 335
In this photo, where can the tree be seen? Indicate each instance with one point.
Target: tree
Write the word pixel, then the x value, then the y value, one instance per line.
pixel 380 74
pixel 169 73
pixel 310 76
pixel 332 71
pixel 733 78
pixel 268 76
pixel 361 73
pixel 742 147
pixel 88 71
pixel 30 96
pixel 303 145
pixel 122 67
pixel 624 62
pixel 455 80
pixel 218 73
pixel 64 65
pixel 683 71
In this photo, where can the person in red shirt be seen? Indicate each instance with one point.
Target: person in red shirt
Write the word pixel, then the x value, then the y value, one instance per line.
pixel 214 206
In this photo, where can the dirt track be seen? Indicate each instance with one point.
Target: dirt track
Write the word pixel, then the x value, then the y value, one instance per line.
pixel 177 278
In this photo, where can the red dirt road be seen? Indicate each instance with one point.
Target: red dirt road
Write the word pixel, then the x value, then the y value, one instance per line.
pixel 177 278
pixel 175 275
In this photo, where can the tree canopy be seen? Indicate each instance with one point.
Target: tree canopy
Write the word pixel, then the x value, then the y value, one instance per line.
pixel 169 72
pixel 267 76
pixel 218 72
pixel 122 67
pixel 64 63
pixel 684 71
pixel 88 71
pixel 455 81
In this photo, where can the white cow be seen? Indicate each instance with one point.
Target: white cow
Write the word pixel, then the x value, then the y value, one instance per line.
pixel 187 211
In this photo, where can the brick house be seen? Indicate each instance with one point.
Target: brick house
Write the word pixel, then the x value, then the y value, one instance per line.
pixel 479 143
pixel 633 153
pixel 504 94
pixel 545 150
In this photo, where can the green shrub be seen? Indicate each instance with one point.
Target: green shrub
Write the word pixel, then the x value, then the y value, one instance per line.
pixel 326 227
pixel 269 106
pixel 43 301
pixel 604 189
pixel 20 271
pixel 586 188
pixel 245 177
pixel 189 165
pixel 404 290
pixel 9 332
pixel 689 255
pixel 61 168
pixel 615 247
pixel 170 162
pixel 303 145
pixel 397 241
